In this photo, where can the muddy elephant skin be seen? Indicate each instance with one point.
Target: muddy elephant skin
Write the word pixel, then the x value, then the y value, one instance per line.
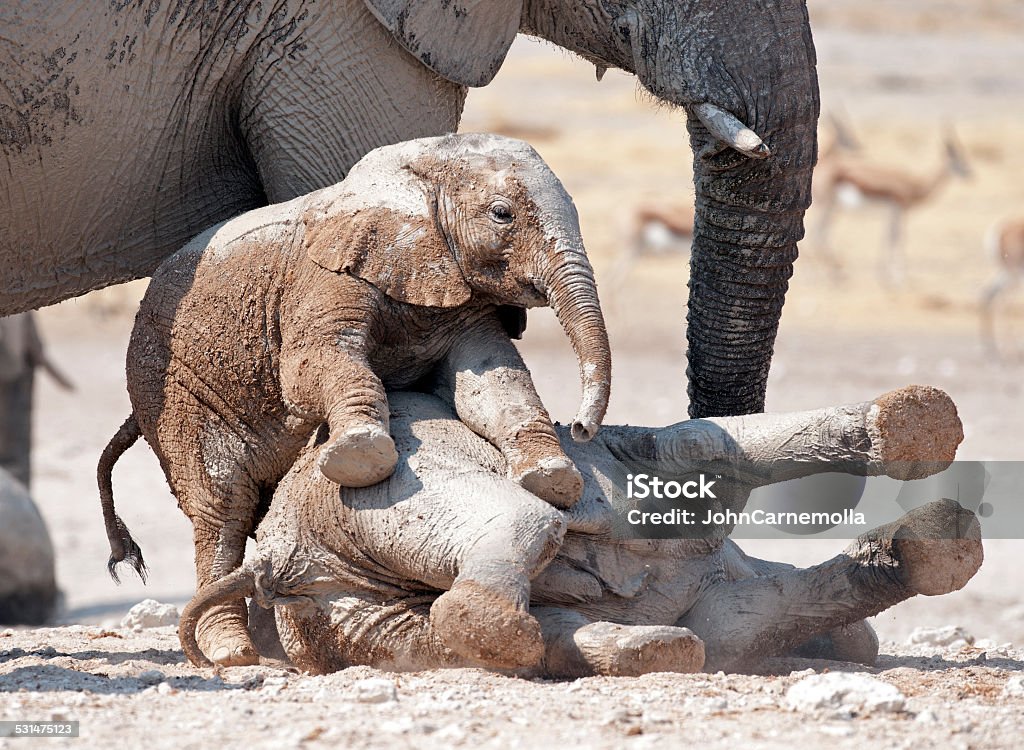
pixel 414 573
pixel 300 314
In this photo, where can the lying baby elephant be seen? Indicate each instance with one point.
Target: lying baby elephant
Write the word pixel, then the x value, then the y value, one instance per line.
pixel 300 314
pixel 358 579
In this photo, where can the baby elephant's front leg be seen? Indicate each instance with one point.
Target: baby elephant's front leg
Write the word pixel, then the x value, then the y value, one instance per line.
pixel 342 387
pixel 486 380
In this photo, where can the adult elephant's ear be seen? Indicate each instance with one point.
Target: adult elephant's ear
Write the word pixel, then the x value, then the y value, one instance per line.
pixel 402 254
pixel 464 41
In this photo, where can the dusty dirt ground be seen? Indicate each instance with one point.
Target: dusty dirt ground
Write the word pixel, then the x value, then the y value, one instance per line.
pixel 898 79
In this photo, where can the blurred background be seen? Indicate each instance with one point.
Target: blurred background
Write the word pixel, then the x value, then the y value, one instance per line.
pixel 921 161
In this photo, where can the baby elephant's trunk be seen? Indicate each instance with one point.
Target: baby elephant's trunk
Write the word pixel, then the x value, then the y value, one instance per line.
pixel 572 294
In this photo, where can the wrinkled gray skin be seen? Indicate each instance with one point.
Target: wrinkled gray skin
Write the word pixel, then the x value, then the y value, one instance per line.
pixel 21 353
pixel 356 578
pixel 127 128
pixel 28 587
pixel 381 280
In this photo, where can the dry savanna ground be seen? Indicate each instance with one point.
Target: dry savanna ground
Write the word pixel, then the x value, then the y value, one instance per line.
pixel 899 73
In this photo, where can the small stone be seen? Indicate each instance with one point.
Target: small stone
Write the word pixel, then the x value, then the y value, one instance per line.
pixel 375 690
pixel 846 692
pixel 150 613
pixel 927 717
pixel 165 688
pixel 949 636
pixel 451 734
pixel 1014 687
pixel 274 685
pixel 151 677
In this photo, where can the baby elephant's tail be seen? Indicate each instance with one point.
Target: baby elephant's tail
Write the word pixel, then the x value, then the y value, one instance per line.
pixel 122 546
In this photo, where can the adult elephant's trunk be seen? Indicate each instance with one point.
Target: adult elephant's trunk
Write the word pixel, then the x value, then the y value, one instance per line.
pixel 749 217
pixel 572 293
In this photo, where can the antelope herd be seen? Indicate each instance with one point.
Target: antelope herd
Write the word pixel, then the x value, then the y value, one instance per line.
pixel 845 179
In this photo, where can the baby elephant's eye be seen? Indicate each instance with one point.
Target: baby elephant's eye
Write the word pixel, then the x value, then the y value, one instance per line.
pixel 501 212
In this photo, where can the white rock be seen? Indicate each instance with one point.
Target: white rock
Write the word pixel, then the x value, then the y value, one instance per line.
pixel 927 717
pixel 274 685
pixel 1014 687
pixel 375 690
pixel 451 734
pixel 949 636
pixel 150 613
pixel 846 692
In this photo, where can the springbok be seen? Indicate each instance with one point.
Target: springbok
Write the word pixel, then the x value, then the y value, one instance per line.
pixel 661 229
pixel 1005 243
pixel 851 181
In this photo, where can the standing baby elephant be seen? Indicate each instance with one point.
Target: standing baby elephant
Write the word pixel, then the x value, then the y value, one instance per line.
pixel 291 316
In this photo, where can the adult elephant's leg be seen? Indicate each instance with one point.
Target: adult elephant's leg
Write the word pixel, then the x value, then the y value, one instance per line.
pixel 310 111
pixel 575 646
pixel 932 550
pixel 16 387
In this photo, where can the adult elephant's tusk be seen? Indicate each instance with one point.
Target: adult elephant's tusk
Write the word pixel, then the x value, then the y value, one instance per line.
pixel 726 128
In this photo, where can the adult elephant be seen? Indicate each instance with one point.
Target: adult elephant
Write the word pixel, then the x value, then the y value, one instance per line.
pixel 28 585
pixel 21 354
pixel 128 129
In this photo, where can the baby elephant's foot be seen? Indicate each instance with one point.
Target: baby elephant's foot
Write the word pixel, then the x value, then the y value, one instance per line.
pixel 937 547
pixel 856 643
pixel 553 479
pixel 359 456
pixel 485 627
pixel 228 646
pixel 632 650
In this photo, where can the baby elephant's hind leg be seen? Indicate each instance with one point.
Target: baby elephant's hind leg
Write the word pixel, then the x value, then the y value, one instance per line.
pixel 222 510
pixel 933 549
pixel 222 632
pixel 506 537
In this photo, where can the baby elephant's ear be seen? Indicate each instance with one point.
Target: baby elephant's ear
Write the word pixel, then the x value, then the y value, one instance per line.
pixel 404 255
